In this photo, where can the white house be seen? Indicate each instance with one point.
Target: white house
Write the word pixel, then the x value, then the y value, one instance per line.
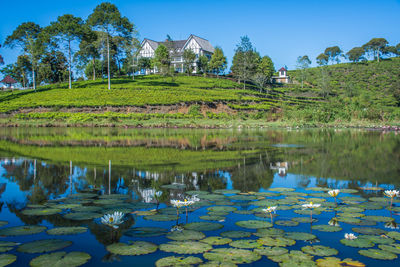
pixel 197 44
pixel 282 76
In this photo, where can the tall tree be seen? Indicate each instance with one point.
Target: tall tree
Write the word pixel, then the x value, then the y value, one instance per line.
pixel 333 53
pixel 245 60
pixel 265 70
pixel 202 64
pixel 162 59
pixel 376 46
pixel 303 63
pixel 88 51
pixel 189 58
pixel 107 18
pixel 218 61
pixel 1 58
pixel 322 59
pixel 29 38
pixel 65 31
pixel 356 54
pixel 53 68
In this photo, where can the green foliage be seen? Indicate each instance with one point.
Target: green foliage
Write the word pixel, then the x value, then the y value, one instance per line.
pixel 162 59
pixel 333 53
pixel 376 47
pixel 189 57
pixel 218 61
pixel 356 54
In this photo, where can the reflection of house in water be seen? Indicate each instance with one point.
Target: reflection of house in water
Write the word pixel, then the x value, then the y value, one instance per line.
pixel 282 168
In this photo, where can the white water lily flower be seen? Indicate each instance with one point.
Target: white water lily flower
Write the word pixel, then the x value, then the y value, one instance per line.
pixel 334 222
pixel 350 236
pixel 113 220
pixel 270 209
pixel 334 192
pixel 158 194
pixel 392 225
pixel 194 198
pixel 311 206
pixel 177 203
pixel 187 203
pixel 391 193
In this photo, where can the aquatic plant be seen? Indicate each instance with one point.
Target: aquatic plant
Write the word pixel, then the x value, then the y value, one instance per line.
pixel 269 211
pixel 113 220
pixel 334 222
pixel 311 206
pixel 391 225
pixel 334 193
pixel 350 236
pixel 391 194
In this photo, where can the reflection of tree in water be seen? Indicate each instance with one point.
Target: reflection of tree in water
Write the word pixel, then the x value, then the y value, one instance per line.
pixel 16 208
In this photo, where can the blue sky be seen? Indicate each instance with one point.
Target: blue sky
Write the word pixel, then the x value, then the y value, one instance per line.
pixel 283 30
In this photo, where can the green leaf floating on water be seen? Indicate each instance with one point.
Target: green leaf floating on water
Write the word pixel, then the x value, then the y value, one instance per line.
pixel 269 232
pixel 281 189
pixel 7 246
pixel 82 216
pixel 327 228
pixel 145 232
pixel 6 259
pixel 217 213
pixel 234 255
pixel 304 219
pixel 222 208
pixel 319 250
pixel 212 197
pixel 203 226
pixel 378 239
pixel 276 241
pixel 394 235
pixel 349 209
pixel 253 224
pixel 371 205
pixel 185 235
pixel 178 261
pixel 111 201
pixel 185 247
pixel 218 264
pixel 348 220
pixel 226 191
pixel 378 218
pixel 242 197
pixel 245 243
pixel 394 248
pixel 212 218
pixel 271 251
pixel 22 230
pixel 296 257
pixel 368 230
pixel 62 258
pixel 336 262
pixel 73 230
pixel 216 240
pixel 83 195
pixel 358 243
pixel 378 254
pixel 133 249
pixel 286 223
pixel 41 212
pixel 46 245
pixel 318 188
pixel 161 217
pixel 191 193
pixel 66 206
pixel 300 236
pixel 114 196
pixel 2 223
pixel 235 234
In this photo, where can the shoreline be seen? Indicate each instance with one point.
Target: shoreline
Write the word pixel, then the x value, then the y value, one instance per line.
pixel 199 124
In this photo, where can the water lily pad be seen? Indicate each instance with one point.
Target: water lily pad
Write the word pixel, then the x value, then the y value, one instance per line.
pixel 203 226
pixel 351 209
pixel 253 224
pixel 212 218
pixel 348 191
pixel 242 197
pixel 235 234
pixel 145 232
pixel 352 199
pixel 41 212
pixel 336 262
pixel 276 241
pixel 349 220
pixel 269 232
pixel 226 191
pixel 6 259
pixel 199 192
pixel 368 230
pixel 46 245
pixel 7 246
pixel 295 257
pixel 221 208
pixel 351 214
pixel 371 205
pixel 66 206
pixel 378 254
pixel 2 223
pixel 245 243
pixel 378 239
pixel 135 248
pixel 161 217
pixel 300 236
pixel 61 258
pixel 394 248
pixel 84 195
pixel 111 201
pixel 286 223
pixel 82 216
pixel 327 228
pixel 267 194
pixel 216 240
pixel 185 247
pixel 378 218
pixel 304 219
pixel 319 250
pixel 218 264
pixel 87 209
pixel 212 197
pixel 264 203
pixel 234 255
pixel 307 212
pixel 22 230
pixel 357 243
pixel 394 235
pixel 67 230
pixel 114 196
pixel 281 189
pixel 178 261
pixel 271 251
pixel 185 235
pixel 217 213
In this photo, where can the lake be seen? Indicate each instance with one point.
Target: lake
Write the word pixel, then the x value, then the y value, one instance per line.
pixel 57 183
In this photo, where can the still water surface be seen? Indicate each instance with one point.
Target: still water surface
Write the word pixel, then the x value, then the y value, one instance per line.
pixel 42 168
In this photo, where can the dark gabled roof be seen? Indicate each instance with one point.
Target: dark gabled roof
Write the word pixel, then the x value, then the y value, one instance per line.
pixel 204 44
pixel 174 44
pixel 152 43
pixel 282 69
pixel 180 44
pixel 8 80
